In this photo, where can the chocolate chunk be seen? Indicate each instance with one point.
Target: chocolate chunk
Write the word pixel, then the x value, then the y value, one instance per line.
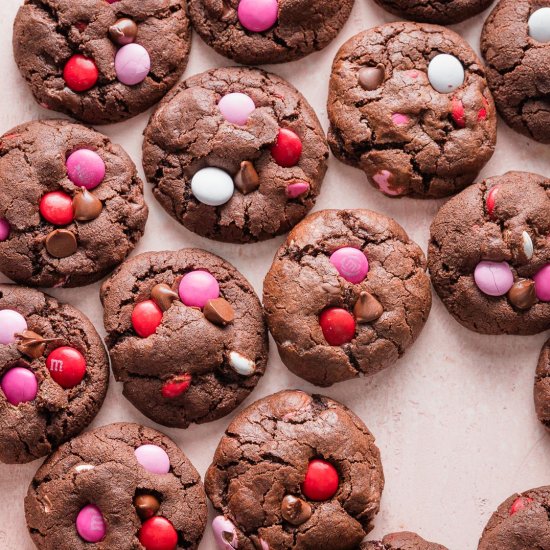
pixel 295 510
pixel 61 243
pixel 367 308
pixel 86 206
pixel 164 296
pixel 146 506
pixel 123 32
pixel 247 179
pixel 32 344
pixel 370 78
pixel 522 295
pixel 219 312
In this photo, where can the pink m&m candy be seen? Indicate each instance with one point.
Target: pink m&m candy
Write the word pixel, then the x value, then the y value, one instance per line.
pixel 542 284
pixel 197 287
pixel 90 524
pixel 4 229
pixel 85 168
pixel 225 533
pixel 19 385
pixel 132 64
pixel 494 278
pixel 351 264
pixel 236 108
pixel 11 323
pixel 153 458
pixel 258 15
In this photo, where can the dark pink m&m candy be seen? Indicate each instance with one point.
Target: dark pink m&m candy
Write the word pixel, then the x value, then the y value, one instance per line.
pixel 80 73
pixel 351 264
pixel 57 208
pixel 288 149
pixel 197 287
pixel 542 284
pixel 321 481
pixel 19 385
pixel 338 326
pixel 258 15
pixel 90 524
pixel 67 366
pixel 5 229
pixel 85 168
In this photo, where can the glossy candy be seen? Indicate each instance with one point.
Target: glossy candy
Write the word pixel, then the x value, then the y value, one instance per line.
pixel 294 190
pixel 123 32
pixel 212 186
pixel 132 64
pixel 258 15
pixel 445 73
pixel 351 264
pixel 370 78
pixel 225 533
pixel 11 323
pixel 490 202
pixel 90 524
pixel 57 208
pixel 176 386
pixel 338 326
pixel 197 287
pixel 321 481
pixel 288 149
pixel 153 458
pixel 146 317
pixel 236 108
pixel 146 506
pixel 157 533
pixel 542 284
pixel 5 229
pixel 493 278
pixel 519 504
pixel 85 168
pixel 19 385
pixel 67 366
pixel 80 73
pixel 539 25
pixel 241 364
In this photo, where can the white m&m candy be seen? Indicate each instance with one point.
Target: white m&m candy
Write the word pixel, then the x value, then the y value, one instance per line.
pixel 212 186
pixel 445 73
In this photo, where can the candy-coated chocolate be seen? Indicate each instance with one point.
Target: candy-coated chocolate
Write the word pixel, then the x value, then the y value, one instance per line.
pixel 219 311
pixel 197 287
pixel 85 168
pixel 11 324
pixel 67 366
pixel 153 458
pixel 294 190
pixel 338 326
pixel 123 32
pixel 61 243
pixel 351 264
pixel 146 317
pixel 5 229
pixel 258 15
pixel 321 481
pixel 519 504
pixel 288 149
pixel 163 296
pixel 445 73
pixel 383 181
pixel 19 385
pixel 490 202
pixel 539 25
pixel 86 206
pixel 132 64
pixel 236 108
pixel 225 533
pixel 90 524
pixel 146 506
pixel 176 386
pixel 458 113
pixel 493 278
pixel 247 180
pixel 80 73
pixel 212 186
pixel 399 119
pixel 542 284
pixel 57 208
pixel 528 248
pixel 241 364
pixel 370 78
pixel 158 533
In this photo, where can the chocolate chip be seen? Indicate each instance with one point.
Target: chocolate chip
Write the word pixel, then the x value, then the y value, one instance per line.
pixel 522 295
pixel 295 510
pixel 164 296
pixel 219 311
pixel 367 308
pixel 247 179
pixel 31 344
pixel 61 243
pixel 370 78
pixel 123 32
pixel 146 506
pixel 86 206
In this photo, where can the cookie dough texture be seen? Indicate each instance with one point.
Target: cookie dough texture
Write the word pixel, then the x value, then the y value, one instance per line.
pixel 61 488
pixel 32 163
pixel 402 134
pixel 264 456
pixel 517 68
pixel 542 386
pixel 402 541
pixel 527 529
pixel 185 342
pixel 34 429
pixel 463 234
pixel 188 132
pixel 302 283
pixel 303 26
pixel 47 33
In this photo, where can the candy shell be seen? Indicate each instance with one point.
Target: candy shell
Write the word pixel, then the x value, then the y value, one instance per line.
pixel 351 264
pixel 11 323
pixel 445 73
pixel 494 278
pixel 197 287
pixel 132 64
pixel 85 168
pixel 321 481
pixel 212 186
pixel 258 15
pixel 542 284
pixel 539 25
pixel 236 108
pixel 90 524
pixel 153 458
pixel 19 385
pixel 225 533
pixel 5 229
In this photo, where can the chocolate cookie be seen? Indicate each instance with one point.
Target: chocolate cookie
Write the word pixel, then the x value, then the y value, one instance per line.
pixel 515 43
pixel 442 12
pixel 489 257
pixel 71 204
pixel 402 541
pixel 295 471
pixel 520 523
pixel 270 31
pixel 54 373
pixel 235 155
pixel 409 105
pixel 101 61
pixel 346 295
pixel 542 386
pixel 122 486
pixel 186 335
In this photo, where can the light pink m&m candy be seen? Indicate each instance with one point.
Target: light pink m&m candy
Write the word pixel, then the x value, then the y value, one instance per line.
pixel 85 168
pixel 351 264
pixel 153 458
pixel 225 533
pixel 542 284
pixel 494 278
pixel 11 323
pixel 236 108
pixel 90 524
pixel 132 64
pixel 4 229
pixel 19 385
pixel 258 15
pixel 197 287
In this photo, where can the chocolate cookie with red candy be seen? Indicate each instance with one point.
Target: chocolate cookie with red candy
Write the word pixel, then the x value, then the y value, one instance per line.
pixel 409 105
pixel 54 373
pixel 520 523
pixel 401 541
pixel 235 155
pixel 119 486
pixel 295 471
pixel 101 61
pixel 186 335
pixel 489 255
pixel 346 295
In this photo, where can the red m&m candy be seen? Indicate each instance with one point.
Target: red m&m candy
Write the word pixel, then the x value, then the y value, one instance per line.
pixel 519 504
pixel 491 200
pixel 288 149
pixel 157 533
pixel 338 326
pixel 321 481
pixel 80 73
pixel 67 366
pixel 57 208
pixel 146 317
pixel 176 386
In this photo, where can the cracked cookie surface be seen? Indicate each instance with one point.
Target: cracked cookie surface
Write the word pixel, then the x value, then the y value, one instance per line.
pixel 185 342
pixel 510 226
pixel 517 68
pixel 303 26
pixel 99 467
pixel 264 456
pixel 402 541
pixel 188 133
pixel 302 283
pixel 32 163
pixel 35 428
pixel 542 386
pixel 47 33
pixel 408 138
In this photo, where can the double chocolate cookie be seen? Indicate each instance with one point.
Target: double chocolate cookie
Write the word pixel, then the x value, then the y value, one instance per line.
pixel 489 257
pixel 515 43
pixel 54 373
pixel 346 295
pixel 71 204
pixel 186 335
pixel 101 61
pixel 402 541
pixel 235 155
pixel 295 471
pixel 409 105
pixel 542 386
pixel 520 523
pixel 256 32
pixel 121 486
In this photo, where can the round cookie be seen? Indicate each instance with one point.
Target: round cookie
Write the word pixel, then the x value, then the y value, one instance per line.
pixel 283 476
pixel 122 486
pixel 542 386
pixel 402 541
pixel 71 204
pixel 235 155
pixel 489 258
pixel 442 12
pixel 409 105
pixel 346 295
pixel 255 32
pixel 54 373
pixel 186 335
pixel 520 523
pixel 101 61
